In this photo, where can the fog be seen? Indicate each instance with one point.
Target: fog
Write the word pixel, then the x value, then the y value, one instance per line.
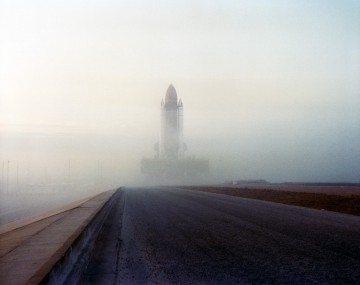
pixel 270 89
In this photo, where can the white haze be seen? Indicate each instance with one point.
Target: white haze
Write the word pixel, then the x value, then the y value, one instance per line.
pixel 270 89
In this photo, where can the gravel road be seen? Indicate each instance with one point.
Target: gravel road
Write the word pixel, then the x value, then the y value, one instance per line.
pixel 176 236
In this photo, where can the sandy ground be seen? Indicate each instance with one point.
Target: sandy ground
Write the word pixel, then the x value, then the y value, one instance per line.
pixel 177 236
pixel 330 190
pixel 311 197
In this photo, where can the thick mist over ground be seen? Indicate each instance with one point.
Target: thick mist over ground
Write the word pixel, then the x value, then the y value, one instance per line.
pixel 270 89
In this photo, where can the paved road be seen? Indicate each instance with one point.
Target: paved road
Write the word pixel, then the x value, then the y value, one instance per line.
pixel 176 236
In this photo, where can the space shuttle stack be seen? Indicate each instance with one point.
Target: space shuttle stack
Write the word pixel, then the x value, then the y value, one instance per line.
pixel 169 161
pixel 171 142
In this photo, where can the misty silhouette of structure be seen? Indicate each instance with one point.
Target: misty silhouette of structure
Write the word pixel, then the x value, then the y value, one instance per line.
pixel 171 144
pixel 170 160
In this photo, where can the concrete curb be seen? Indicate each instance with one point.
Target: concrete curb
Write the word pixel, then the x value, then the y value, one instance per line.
pixel 47 249
pixel 69 268
pixel 24 222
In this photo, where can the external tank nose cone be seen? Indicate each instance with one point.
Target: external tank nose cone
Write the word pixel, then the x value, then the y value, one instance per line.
pixel 171 96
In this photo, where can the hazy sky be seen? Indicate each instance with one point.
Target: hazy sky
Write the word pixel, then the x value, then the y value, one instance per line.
pixel 271 89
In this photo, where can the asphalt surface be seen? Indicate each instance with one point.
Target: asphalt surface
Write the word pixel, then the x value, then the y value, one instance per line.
pixel 177 236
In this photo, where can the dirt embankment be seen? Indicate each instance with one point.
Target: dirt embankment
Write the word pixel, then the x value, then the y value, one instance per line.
pixel 349 204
